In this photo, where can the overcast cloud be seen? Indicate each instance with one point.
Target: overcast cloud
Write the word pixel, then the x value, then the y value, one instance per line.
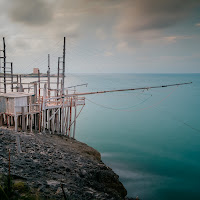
pixel 117 25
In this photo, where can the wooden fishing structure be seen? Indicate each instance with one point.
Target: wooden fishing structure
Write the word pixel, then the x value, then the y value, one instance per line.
pixel 38 106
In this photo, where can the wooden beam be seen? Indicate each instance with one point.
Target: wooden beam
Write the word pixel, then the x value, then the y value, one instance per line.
pixel 131 89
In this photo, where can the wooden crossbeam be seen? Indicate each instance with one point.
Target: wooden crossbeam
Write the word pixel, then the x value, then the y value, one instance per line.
pixel 130 89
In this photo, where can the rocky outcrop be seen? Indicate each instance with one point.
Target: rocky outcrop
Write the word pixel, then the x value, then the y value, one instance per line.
pixel 44 162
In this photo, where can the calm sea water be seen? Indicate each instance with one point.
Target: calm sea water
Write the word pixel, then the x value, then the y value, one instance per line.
pixel 151 139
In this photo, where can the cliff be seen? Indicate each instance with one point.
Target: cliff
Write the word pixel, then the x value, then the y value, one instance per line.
pixel 47 163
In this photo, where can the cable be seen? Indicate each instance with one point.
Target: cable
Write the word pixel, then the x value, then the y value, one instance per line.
pixel 148 107
pixel 179 120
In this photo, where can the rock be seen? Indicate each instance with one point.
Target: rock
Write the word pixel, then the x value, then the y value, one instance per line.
pixel 47 161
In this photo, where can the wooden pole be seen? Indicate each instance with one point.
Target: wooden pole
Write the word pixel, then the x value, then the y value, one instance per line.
pixel 49 76
pixel 11 76
pixel 63 66
pixel 44 107
pixel 53 121
pixel 23 119
pixel 31 123
pixel 130 89
pixel 39 100
pixel 35 116
pixel 39 85
pixel 4 66
pixel 35 90
pixel 70 118
pixel 62 109
pixel 17 83
pixel 16 121
pixel 74 117
pixel 67 118
pixel 58 76
pixel 48 121
pixel 21 86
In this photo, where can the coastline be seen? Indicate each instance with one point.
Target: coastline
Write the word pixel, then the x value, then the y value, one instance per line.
pixel 43 162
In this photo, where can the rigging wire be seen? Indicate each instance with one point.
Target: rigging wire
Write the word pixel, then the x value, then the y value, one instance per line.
pixel 178 120
pixel 145 108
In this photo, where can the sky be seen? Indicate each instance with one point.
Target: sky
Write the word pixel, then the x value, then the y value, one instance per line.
pixel 102 36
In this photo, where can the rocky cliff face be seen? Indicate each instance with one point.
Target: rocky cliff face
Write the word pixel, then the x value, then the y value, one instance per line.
pixel 44 162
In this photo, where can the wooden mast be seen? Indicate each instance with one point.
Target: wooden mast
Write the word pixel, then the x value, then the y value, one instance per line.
pixel 4 65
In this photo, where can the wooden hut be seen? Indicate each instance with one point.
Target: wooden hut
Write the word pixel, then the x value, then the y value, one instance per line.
pixel 14 104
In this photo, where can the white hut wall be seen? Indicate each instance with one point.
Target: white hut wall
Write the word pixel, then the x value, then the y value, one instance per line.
pixel 19 102
pixel 2 104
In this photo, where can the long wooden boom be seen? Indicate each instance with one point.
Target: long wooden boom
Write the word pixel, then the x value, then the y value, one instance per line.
pixel 130 89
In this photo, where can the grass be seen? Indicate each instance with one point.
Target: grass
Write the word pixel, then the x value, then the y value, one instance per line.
pixel 16 190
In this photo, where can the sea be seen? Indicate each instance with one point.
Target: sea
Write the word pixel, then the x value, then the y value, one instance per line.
pixel 150 138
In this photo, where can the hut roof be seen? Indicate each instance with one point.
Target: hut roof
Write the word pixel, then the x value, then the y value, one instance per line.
pixel 16 94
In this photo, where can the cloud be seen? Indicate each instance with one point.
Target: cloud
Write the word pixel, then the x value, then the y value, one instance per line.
pixel 100 34
pixel 31 13
pixel 198 24
pixel 108 53
pixel 124 46
pixel 151 15
pixel 174 38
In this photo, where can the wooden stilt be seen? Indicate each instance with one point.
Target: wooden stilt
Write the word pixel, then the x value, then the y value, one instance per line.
pixel 31 123
pixel 16 123
pixel 1 120
pixel 35 116
pixel 53 121
pixel 70 118
pixel 74 118
pixel 67 121
pixel 23 119
pixel 44 107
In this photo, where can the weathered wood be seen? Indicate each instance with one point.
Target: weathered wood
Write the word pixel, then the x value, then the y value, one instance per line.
pixel 44 107
pixel 53 112
pixel 4 65
pixel 62 110
pixel 23 119
pixel 1 120
pixel 11 120
pixel 63 66
pixel 35 117
pixel 35 90
pixel 31 123
pixel 11 76
pixel 70 118
pixel 57 125
pixel 58 76
pixel 74 117
pixel 16 123
pixel 8 121
pixel 39 101
pixel 26 122
pixel 17 83
pixel 48 121
pixel 48 76
pixel 53 122
pixel 20 82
